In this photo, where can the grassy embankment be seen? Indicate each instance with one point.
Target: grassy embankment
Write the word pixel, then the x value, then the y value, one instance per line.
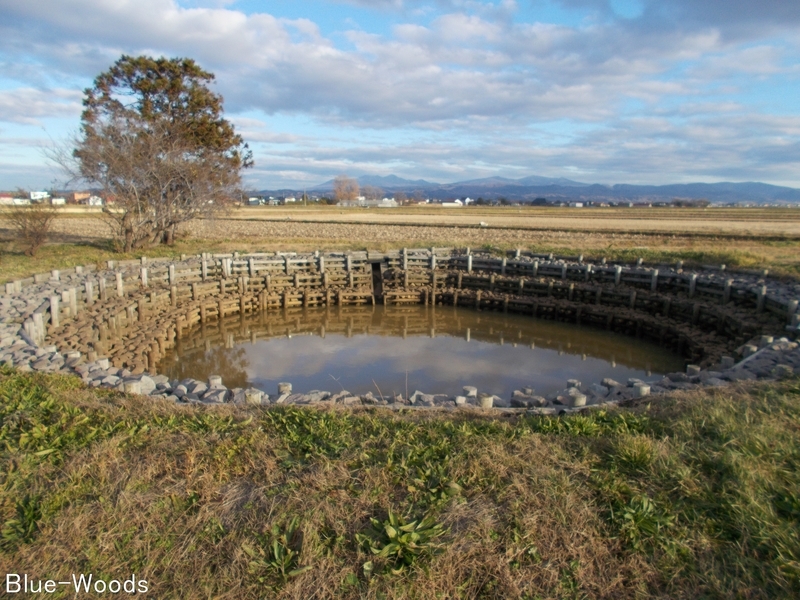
pixel 698 496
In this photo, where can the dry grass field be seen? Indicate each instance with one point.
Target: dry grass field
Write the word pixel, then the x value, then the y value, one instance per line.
pixel 740 237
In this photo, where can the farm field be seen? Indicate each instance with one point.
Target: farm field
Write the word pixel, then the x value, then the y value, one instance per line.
pixel 748 238
pixel 752 221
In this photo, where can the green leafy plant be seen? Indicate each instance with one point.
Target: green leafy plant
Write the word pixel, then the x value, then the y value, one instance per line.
pixel 399 541
pixel 641 522
pixel 23 527
pixel 276 555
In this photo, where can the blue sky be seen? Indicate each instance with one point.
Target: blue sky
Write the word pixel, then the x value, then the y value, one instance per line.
pixel 607 91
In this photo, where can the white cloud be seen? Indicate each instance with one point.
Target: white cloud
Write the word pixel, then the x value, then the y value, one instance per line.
pixel 460 89
pixel 29 106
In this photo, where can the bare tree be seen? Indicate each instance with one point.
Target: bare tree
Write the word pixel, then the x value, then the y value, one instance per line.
pixel 371 192
pixel 400 198
pixel 345 188
pixel 32 225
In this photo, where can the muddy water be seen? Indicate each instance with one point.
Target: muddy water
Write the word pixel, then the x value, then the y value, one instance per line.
pixel 389 350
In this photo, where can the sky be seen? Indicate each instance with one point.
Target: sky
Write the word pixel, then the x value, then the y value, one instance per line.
pixel 599 91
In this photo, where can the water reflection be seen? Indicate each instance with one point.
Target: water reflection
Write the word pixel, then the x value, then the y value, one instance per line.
pixel 391 349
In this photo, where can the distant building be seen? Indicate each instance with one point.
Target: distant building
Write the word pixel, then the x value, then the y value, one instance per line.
pixel 58 201
pixel 454 203
pixel 39 196
pixel 576 204
pixel 78 197
pixel 290 200
pixel 94 201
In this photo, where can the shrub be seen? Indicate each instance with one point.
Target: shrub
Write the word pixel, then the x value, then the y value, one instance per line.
pixel 32 225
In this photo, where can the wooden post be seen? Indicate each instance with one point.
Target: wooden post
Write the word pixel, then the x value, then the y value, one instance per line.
pixel 726 293
pixel 761 296
pixel 172 274
pixel 89 287
pixel 120 287
pixel 55 315
pixel 103 292
pixel 692 284
pixel 654 280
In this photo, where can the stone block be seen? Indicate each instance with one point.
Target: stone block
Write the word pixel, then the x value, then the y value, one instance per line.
pixel 486 400
pixel 692 370
pixel 284 388
pixel 640 390
pixel 577 400
pixel 470 391
pixel 253 396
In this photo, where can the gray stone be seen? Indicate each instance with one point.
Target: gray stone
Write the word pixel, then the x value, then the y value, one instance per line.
pixel 214 381
pixel 611 383
pixel 284 388
pixel 782 372
pixel 215 395
pixel 726 362
pixel 132 386
pixel 573 383
pixel 578 400
pixel 600 391
pixel 180 390
pixel 461 400
pixel 317 396
pixel 640 390
pixel 470 391
pixel 198 387
pixel 253 396
pixel 692 370
pixel 148 385
pixel 678 377
pixel 486 400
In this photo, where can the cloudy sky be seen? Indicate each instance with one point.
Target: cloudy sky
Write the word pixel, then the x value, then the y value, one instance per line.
pixel 636 91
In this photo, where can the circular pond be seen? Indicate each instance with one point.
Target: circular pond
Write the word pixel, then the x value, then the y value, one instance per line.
pixel 400 349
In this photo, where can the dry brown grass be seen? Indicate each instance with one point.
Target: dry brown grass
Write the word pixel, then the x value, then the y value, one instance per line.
pixel 176 495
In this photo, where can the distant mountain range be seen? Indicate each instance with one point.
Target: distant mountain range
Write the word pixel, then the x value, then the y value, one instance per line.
pixel 559 189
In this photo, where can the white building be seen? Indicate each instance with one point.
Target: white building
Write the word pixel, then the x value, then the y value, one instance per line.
pixel 58 201
pixel 94 201
pixel 454 203
pixel 39 196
